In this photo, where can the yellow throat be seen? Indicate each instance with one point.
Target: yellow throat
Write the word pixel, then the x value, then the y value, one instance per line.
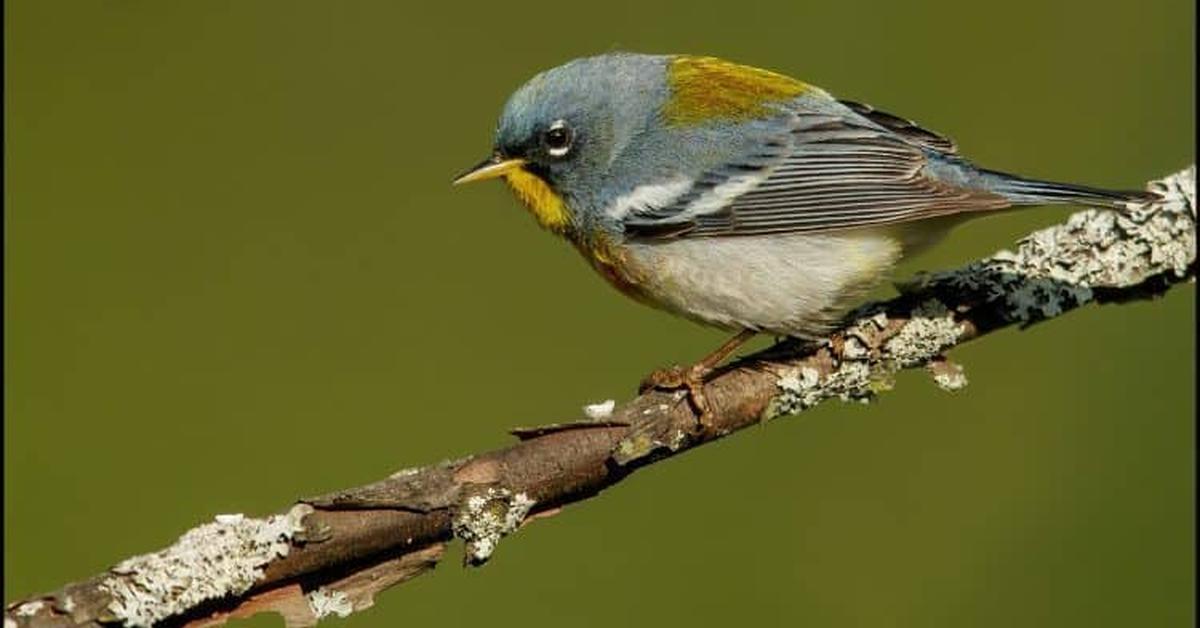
pixel 545 205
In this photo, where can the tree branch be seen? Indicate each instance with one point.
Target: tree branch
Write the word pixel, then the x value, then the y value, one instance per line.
pixel 329 555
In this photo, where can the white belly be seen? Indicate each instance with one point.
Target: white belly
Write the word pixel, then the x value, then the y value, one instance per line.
pixel 796 285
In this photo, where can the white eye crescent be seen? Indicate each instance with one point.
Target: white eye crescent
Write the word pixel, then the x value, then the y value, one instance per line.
pixel 558 138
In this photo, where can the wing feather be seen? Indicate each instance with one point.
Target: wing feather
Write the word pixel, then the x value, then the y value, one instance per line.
pixel 858 168
pixel 906 128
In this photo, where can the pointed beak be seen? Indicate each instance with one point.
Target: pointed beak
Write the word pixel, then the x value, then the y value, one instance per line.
pixel 490 168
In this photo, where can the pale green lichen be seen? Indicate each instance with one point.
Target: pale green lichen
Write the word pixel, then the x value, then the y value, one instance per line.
pixel 852 381
pixel 326 602
pixel 485 518
pixel 1058 268
pixel 862 372
pixel 930 329
pixel 948 376
pixel 208 562
pixel 407 472
pixel 29 609
pixel 678 438
pixel 951 382
pixel 635 446
pixel 804 387
pixel 798 390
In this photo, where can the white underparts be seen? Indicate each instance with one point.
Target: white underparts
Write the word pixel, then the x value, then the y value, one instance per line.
pixel 794 284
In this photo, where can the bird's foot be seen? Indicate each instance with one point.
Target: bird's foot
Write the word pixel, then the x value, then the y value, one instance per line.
pixel 691 379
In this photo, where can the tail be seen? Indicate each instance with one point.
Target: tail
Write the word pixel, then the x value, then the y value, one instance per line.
pixel 1022 191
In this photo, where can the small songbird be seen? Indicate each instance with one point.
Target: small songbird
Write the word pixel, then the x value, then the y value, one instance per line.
pixel 734 196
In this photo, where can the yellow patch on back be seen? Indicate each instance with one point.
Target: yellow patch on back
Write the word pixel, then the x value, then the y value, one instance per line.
pixel 706 88
pixel 545 205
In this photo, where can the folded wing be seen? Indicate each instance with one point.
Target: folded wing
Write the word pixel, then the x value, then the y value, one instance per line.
pixel 845 168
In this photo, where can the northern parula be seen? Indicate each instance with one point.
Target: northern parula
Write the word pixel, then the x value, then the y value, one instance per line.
pixel 735 196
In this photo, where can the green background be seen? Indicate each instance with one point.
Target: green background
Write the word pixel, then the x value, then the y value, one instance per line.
pixel 236 274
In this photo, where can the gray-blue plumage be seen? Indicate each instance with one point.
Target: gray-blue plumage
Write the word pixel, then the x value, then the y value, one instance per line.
pixel 824 164
pixel 780 222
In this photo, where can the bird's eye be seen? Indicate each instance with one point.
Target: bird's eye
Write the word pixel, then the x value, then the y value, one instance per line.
pixel 558 139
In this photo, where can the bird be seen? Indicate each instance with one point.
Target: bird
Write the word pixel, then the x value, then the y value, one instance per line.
pixel 738 197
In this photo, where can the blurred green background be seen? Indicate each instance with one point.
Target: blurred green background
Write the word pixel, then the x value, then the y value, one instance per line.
pixel 236 274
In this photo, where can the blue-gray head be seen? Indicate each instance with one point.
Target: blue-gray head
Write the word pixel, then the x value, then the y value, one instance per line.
pixel 579 140
pixel 560 133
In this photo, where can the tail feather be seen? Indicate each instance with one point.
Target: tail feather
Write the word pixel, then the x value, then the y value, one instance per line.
pixel 1022 191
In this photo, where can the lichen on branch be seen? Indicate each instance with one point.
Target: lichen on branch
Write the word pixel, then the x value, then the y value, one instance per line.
pixel 330 555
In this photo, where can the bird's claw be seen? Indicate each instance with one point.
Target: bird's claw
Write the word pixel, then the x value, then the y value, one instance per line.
pixel 690 379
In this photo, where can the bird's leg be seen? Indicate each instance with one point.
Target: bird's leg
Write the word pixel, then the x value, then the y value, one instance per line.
pixel 692 377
